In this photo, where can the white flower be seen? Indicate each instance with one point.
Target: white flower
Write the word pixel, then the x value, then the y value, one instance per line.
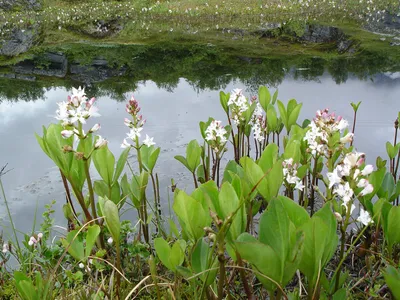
pixel 352 207
pixel 134 133
pixel 67 133
pixel 30 243
pixel 334 178
pixel 299 185
pixel 100 142
pixel 40 235
pixel 95 128
pixel 342 124
pixel 81 265
pixel 128 122
pixel 78 96
pixel 347 138
pixel 352 158
pixel 344 191
pixel 5 248
pixel 364 217
pixel 368 169
pixel 362 183
pixel 125 144
pixel 148 141
pixel 367 190
pixel 110 240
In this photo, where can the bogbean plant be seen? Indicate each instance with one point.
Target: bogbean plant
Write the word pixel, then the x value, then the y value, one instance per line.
pixel 296 213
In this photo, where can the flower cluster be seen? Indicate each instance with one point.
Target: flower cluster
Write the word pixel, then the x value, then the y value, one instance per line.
pixel 216 136
pixel 321 128
pixel 77 109
pixel 290 174
pixel 347 177
pixel 238 104
pixel 135 126
pixel 258 124
pixel 35 239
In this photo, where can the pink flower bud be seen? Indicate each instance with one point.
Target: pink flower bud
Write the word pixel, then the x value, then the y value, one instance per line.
pixel 95 128
pixel 67 133
pixel 100 142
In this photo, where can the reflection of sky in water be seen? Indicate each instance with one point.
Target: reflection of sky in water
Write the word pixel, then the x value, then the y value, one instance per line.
pixel 172 118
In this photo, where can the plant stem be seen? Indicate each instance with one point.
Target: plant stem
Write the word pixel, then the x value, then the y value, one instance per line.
pixel 354 127
pixel 221 259
pixel 9 215
pixel 312 185
pixel 118 276
pixel 90 187
pixel 195 180
pixel 246 286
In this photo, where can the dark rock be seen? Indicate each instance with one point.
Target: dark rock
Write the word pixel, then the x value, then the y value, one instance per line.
pixel 25 77
pixel 97 71
pixel 24 67
pixel 392 21
pixel 344 45
pixel 7 75
pixel 22 4
pixel 50 64
pixel 56 64
pixel 101 29
pixel 20 41
pixel 321 34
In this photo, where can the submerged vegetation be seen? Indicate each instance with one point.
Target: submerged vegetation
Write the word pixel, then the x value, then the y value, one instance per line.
pixel 296 213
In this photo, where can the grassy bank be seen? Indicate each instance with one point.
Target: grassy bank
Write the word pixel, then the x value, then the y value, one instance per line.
pixel 227 23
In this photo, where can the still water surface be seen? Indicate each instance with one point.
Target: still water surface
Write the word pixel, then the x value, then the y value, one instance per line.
pixel 172 119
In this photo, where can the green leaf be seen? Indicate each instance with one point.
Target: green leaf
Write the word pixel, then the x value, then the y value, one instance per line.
pixel 120 164
pixel 262 257
pixel 393 226
pixel 200 258
pixel 268 157
pixel 392 278
pixel 193 155
pixel 296 213
pixel 110 211
pixel 320 242
pixel 163 252
pixel 223 99
pixel 177 255
pixel 229 202
pixel 255 175
pixel 391 150
pixel 192 216
pixel 181 159
pixel 264 97
pixel 387 188
pixel 75 245
pixel 91 236
pixel 104 162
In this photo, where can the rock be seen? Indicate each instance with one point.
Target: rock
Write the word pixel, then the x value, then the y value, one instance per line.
pixel 25 77
pixel 7 75
pixel 392 21
pixel 22 4
pixel 97 71
pixel 321 34
pixel 56 64
pixel 20 41
pixel 52 64
pixel 344 45
pixel 101 29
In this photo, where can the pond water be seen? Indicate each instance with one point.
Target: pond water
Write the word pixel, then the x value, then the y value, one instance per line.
pixel 172 115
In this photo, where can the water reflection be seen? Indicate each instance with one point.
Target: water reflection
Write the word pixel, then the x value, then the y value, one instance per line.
pixel 114 71
pixel 172 118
